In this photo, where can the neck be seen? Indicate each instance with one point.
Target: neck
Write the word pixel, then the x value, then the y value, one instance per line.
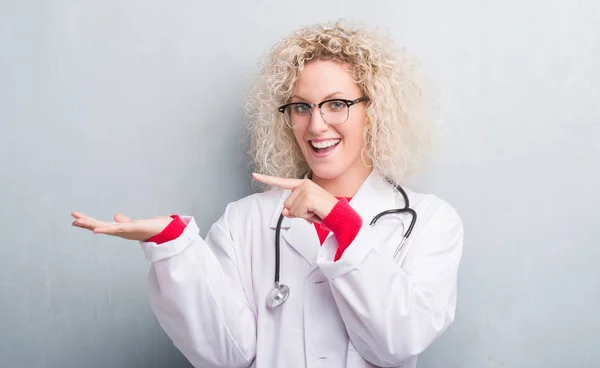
pixel 345 185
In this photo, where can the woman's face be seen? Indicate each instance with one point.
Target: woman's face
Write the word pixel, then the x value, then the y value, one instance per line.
pixel 331 150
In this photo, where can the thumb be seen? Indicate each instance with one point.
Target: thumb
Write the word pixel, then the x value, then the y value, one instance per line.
pixel 314 219
pixel 121 218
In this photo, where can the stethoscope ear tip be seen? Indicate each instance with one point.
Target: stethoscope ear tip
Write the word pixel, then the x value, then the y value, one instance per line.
pixel 278 296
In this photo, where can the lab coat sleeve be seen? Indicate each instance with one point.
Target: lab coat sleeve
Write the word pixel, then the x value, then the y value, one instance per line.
pixel 196 293
pixel 394 313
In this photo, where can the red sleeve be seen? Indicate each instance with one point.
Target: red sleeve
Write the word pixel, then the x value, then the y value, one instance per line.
pixel 345 223
pixel 171 232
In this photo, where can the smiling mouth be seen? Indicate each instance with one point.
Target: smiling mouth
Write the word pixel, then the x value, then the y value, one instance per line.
pixel 324 146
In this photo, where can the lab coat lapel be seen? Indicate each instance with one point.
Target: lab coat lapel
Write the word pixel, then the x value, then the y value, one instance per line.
pixel 303 237
pixel 374 196
pixel 298 233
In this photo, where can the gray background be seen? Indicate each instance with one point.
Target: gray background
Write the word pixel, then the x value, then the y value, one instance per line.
pixel 136 107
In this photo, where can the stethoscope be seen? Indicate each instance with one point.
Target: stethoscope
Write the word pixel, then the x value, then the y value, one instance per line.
pixel 281 292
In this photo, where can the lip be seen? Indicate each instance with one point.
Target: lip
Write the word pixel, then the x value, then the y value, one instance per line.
pixel 321 139
pixel 322 155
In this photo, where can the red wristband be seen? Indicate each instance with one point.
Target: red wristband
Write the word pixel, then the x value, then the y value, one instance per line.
pixel 345 223
pixel 173 230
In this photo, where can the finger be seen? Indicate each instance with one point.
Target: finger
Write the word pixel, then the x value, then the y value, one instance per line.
pixel 292 198
pixel 116 228
pixel 79 215
pixel 299 206
pixel 316 219
pixel 301 209
pixel 310 220
pixel 90 224
pixel 121 218
pixel 127 230
pixel 278 182
pixel 313 219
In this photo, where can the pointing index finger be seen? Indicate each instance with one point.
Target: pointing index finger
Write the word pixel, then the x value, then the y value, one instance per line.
pixel 278 182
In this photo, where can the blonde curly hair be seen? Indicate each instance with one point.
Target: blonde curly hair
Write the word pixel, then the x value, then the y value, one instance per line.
pixel 399 114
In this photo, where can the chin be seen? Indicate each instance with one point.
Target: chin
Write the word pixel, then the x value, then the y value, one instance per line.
pixel 329 171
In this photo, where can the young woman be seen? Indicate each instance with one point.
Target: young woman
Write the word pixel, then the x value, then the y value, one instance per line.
pixel 339 119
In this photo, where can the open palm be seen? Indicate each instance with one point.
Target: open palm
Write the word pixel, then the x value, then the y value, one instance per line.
pixel 123 226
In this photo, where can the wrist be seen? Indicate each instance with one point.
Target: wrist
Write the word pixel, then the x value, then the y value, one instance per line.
pixel 326 207
pixel 172 229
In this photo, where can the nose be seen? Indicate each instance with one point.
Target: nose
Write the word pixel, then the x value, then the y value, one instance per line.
pixel 317 123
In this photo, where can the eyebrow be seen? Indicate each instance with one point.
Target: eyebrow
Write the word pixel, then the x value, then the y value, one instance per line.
pixel 324 99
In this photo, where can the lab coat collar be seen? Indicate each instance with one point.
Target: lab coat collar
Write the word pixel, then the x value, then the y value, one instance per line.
pixel 373 196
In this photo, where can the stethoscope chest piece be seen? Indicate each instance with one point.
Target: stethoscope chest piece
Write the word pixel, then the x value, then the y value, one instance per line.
pixel 278 295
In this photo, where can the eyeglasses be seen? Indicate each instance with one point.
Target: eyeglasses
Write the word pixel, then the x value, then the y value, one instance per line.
pixel 333 112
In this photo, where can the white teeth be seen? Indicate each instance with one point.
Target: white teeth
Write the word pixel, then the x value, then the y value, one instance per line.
pixel 325 144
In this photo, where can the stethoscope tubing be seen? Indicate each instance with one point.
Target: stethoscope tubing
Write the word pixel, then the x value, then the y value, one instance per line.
pixel 281 292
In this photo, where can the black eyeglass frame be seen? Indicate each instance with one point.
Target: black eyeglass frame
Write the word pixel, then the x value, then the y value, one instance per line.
pixel 310 106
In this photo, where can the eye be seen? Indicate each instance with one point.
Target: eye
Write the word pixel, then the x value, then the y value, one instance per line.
pixel 300 108
pixel 336 105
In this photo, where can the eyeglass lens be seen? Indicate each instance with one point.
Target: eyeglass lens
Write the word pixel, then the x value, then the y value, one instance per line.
pixel 333 112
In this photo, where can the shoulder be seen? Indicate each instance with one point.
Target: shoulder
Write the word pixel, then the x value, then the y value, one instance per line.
pixel 430 207
pixel 253 211
pixel 256 205
pixel 438 231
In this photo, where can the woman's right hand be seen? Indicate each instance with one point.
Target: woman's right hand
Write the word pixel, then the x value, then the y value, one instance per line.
pixel 123 226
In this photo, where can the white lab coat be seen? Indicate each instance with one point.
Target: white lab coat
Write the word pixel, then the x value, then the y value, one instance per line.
pixel 364 310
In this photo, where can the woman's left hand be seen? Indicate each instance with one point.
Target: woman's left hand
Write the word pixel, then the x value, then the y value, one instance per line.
pixel 307 200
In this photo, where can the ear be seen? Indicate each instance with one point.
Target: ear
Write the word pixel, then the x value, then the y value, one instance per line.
pixel 367 116
pixel 364 152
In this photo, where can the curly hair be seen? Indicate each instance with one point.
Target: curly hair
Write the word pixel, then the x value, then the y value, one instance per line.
pixel 399 113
